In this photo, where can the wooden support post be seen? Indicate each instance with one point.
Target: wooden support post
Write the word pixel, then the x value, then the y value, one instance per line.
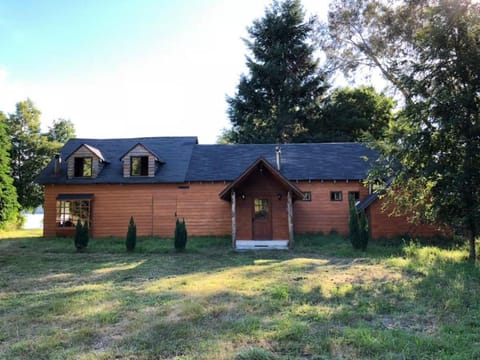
pixel 234 219
pixel 290 219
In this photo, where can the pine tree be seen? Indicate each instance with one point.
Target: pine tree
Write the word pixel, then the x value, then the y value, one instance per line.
pixel 278 101
pixel 8 194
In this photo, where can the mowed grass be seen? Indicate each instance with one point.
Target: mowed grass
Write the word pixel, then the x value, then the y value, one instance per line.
pixel 320 301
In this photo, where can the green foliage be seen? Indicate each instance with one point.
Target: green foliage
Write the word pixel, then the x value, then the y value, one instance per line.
pixel 350 112
pixel 131 240
pixel 59 133
pixel 358 225
pixel 180 235
pixel 278 101
pixel 8 195
pixel 354 226
pixel 29 153
pixel 81 236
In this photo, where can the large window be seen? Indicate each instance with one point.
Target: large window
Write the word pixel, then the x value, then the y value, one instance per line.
pixel 83 167
pixel 139 166
pixel 70 211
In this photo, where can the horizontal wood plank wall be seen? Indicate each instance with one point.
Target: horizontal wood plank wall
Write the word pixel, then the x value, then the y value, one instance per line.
pixel 83 152
pixel 384 225
pixel 153 207
pixel 321 214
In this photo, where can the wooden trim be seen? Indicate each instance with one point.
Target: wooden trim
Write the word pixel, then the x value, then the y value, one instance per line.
pixel 234 219
pixel 276 174
pixel 290 220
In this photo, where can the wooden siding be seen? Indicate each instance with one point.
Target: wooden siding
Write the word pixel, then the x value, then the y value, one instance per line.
pixel 83 152
pixel 384 225
pixel 154 208
pixel 321 214
pixel 139 150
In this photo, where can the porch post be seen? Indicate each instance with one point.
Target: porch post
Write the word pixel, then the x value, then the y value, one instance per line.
pixel 234 219
pixel 290 219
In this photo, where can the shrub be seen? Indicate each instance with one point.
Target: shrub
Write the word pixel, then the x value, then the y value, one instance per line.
pixel 131 240
pixel 354 225
pixel 81 236
pixel 180 235
pixel 359 233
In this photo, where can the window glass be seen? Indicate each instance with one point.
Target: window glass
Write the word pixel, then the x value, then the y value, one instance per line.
pixel 83 167
pixel 336 196
pixel 307 196
pixel 355 195
pixel 70 211
pixel 261 208
pixel 139 166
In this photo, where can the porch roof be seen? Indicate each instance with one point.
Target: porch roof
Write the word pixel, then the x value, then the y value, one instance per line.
pixel 296 193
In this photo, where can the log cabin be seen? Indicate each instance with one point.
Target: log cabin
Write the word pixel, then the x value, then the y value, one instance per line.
pixel 259 194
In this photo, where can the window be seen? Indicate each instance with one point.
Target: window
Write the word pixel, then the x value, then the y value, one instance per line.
pixel 355 195
pixel 70 211
pixel 261 208
pixel 336 196
pixel 83 167
pixel 139 166
pixel 307 196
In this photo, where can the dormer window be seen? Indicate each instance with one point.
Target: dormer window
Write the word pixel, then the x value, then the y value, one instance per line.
pixel 139 166
pixel 83 166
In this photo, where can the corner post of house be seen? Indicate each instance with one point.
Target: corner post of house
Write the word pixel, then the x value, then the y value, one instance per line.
pixel 234 219
pixel 290 219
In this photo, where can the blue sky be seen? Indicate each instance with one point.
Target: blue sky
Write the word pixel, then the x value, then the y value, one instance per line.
pixel 128 68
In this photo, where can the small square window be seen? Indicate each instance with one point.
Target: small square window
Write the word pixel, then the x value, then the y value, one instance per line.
pixel 355 195
pixel 139 166
pixel 336 196
pixel 307 196
pixel 83 167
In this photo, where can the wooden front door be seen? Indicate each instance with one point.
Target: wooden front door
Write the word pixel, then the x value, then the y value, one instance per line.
pixel 262 219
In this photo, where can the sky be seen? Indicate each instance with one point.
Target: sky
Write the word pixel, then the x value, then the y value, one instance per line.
pixel 128 68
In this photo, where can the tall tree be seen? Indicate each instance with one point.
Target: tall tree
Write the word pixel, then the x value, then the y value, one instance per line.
pixel 30 152
pixel 349 113
pixel 278 100
pixel 8 195
pixel 61 131
pixel 432 151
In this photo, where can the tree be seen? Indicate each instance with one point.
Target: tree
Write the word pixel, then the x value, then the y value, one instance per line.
pixel 8 194
pixel 131 239
pixel 349 113
pixel 432 151
pixel 373 34
pixel 278 101
pixel 30 152
pixel 61 131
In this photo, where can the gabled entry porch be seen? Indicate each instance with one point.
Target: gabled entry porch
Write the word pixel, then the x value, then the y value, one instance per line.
pixel 262 208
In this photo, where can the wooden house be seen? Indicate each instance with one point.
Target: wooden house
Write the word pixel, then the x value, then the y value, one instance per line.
pixel 261 195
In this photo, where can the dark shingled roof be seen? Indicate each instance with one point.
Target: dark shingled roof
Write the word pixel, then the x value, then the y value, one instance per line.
pixel 174 151
pixel 185 160
pixel 324 161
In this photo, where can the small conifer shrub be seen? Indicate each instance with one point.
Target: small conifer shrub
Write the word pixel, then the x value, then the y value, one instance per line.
pixel 131 240
pixel 81 236
pixel 354 225
pixel 180 235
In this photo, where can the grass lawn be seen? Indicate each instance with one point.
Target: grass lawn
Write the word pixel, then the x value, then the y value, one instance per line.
pixel 319 301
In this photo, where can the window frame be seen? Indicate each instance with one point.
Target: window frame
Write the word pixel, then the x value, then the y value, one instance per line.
pixel 69 211
pixel 143 165
pixel 355 195
pixel 79 166
pixel 307 196
pixel 336 195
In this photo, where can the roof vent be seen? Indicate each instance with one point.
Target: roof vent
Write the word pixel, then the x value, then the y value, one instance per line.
pixel 278 152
